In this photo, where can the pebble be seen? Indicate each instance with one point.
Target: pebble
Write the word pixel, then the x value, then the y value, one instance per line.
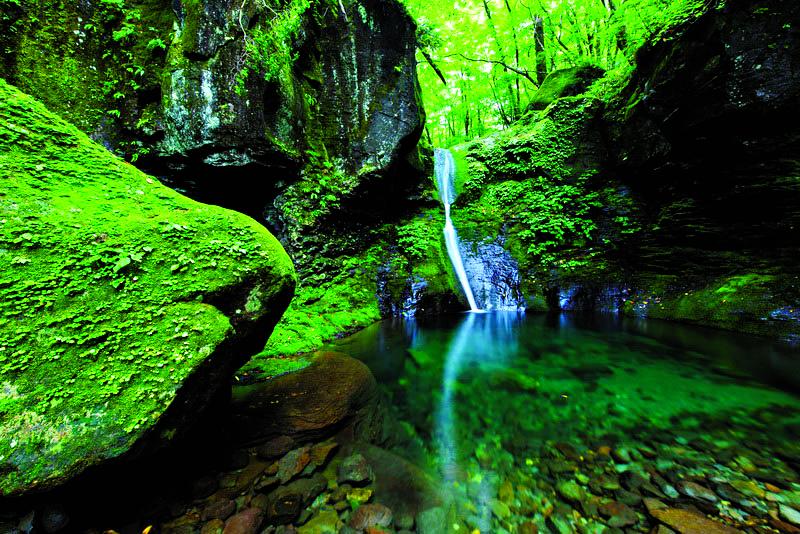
pixel 696 491
pixel 293 463
pixel 218 509
pixel 245 522
pixel 570 491
pixel 371 515
pixel 618 514
pixel 689 522
pixel 789 514
pixel 355 470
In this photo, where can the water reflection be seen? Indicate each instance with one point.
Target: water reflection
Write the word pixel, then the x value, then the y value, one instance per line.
pixel 482 400
pixel 479 339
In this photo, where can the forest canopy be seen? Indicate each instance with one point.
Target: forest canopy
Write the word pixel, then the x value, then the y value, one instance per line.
pixel 481 61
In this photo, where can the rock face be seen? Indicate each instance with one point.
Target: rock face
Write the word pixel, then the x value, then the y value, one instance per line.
pixel 125 306
pixel 304 114
pixel 230 95
pixel 714 162
pixel 674 196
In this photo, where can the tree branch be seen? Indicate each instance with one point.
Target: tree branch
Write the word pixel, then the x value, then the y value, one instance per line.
pixel 433 65
pixel 503 64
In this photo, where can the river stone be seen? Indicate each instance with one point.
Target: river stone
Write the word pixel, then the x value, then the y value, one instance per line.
pixel 293 463
pixel 325 522
pixel 132 304
pixel 618 514
pixel 789 514
pixel 286 502
pixel 688 522
pixel 371 515
pixel 355 470
pixel 245 522
pixel 218 509
pixel 310 404
pixel 696 491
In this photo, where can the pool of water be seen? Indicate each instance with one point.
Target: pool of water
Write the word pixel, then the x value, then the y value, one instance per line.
pixel 565 424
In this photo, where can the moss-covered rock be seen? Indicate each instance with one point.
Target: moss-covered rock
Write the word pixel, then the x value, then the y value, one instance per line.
pixel 124 306
pixel 565 82
pixel 670 191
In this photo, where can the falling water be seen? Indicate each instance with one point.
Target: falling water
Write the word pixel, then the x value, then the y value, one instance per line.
pixel 445 178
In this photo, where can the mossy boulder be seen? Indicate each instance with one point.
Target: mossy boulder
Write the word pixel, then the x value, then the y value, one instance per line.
pixel 564 82
pixel 124 306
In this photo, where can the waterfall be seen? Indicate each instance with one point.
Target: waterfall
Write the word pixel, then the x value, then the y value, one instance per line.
pixel 445 178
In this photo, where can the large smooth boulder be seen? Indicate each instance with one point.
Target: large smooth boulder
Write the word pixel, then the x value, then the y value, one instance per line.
pixel 334 393
pixel 124 306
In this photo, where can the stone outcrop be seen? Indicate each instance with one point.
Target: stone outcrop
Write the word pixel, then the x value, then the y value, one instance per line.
pixel 125 306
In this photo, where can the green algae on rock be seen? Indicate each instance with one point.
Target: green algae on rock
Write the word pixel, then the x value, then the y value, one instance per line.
pixel 125 306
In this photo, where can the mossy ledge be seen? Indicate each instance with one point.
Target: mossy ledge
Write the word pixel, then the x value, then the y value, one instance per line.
pixel 124 306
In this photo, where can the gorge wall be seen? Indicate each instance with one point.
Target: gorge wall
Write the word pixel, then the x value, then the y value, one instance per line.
pixel 670 191
pixel 306 115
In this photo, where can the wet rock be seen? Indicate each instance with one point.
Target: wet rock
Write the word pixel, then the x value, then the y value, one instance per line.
pixel 218 509
pixel 633 480
pixel 653 504
pixel 696 491
pixel 320 454
pixel 325 522
pixel 789 514
pixel 570 491
pixel 286 502
pixel 247 477
pixel 355 470
pixel 275 448
pixel 748 487
pixel 604 482
pixel 247 521
pixel 371 515
pixel 628 497
pixel 618 514
pixel 293 463
pixel 689 522
pixel 782 526
pixel 307 405
pixel 359 496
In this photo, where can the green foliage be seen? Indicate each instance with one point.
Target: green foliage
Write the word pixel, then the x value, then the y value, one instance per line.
pixel 107 294
pixel 539 186
pixel 90 69
pixel 499 52
pixel 269 47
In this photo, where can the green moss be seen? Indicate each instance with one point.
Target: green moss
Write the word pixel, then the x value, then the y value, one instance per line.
pixel 91 65
pixel 744 302
pixel 108 295
pixel 345 298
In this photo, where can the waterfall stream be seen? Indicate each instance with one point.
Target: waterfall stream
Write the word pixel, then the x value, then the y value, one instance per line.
pixel 445 179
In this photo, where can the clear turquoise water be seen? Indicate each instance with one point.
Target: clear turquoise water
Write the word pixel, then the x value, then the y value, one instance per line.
pixel 503 408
